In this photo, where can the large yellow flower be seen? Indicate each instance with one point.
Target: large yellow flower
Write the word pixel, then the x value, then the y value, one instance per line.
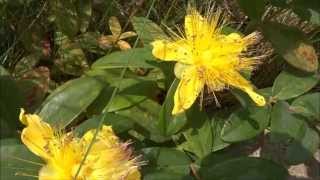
pixel 207 58
pixel 63 153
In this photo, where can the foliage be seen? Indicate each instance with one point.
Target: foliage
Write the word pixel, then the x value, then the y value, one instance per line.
pixel 67 61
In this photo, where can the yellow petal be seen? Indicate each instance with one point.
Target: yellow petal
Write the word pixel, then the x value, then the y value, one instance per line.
pixel 134 175
pixel 104 140
pixel 188 90
pixel 234 43
pixel 257 98
pixel 50 172
pixel 195 25
pixel 36 135
pixel 172 51
pixel 235 79
pixel 114 26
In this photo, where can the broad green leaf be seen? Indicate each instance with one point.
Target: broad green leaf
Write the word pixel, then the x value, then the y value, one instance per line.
pixel 307 105
pixel 99 104
pixel 290 84
pixel 290 130
pixel 147 30
pixel 168 123
pixel 291 43
pixel 131 91
pixel 146 115
pixel 304 149
pixel 125 101
pixel 11 101
pixel 245 168
pixel 245 124
pixel 284 124
pixel 171 160
pixel 17 162
pixel 137 58
pixel 69 100
pixel 253 8
pixel 119 123
pixel 203 134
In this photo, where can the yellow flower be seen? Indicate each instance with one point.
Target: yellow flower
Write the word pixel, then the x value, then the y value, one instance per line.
pixel 206 57
pixel 63 153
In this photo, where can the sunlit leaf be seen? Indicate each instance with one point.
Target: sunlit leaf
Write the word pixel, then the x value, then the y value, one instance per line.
pixel 307 105
pixel 245 124
pixel 69 100
pixel 147 30
pixel 300 142
pixel 169 124
pixel 137 57
pixel 165 163
pixel 291 83
pixel 119 123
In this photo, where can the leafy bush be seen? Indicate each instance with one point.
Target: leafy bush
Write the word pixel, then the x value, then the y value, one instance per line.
pixel 79 64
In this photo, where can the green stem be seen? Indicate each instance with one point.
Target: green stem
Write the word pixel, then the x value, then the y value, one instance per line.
pixel 114 92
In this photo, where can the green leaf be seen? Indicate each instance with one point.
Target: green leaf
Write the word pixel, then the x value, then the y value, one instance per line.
pixel 173 161
pixel 245 168
pixel 290 84
pixel 145 114
pixel 304 149
pixel 11 102
pixel 165 175
pixel 69 100
pixel 203 135
pixel 17 161
pixel 170 124
pixel 307 105
pixel 131 92
pixel 119 123
pixel 245 124
pixel 299 140
pixel 291 43
pixel 120 102
pixel 147 30
pixel 136 58
pixel 284 124
pixel 253 8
